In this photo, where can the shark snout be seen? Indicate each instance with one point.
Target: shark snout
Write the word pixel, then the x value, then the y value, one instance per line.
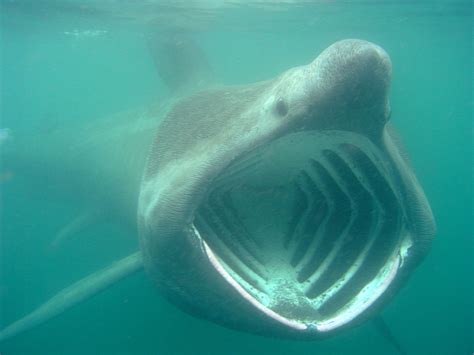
pixel 353 60
pixel 352 79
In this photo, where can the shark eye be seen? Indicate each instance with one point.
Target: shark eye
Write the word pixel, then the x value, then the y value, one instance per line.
pixel 281 107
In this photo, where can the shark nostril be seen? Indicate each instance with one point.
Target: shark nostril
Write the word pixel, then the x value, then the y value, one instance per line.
pixel 281 107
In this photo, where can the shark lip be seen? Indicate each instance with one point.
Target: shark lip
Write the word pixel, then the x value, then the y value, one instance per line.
pixel 309 228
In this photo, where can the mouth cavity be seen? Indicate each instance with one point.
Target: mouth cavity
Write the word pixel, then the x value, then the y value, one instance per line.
pixel 309 228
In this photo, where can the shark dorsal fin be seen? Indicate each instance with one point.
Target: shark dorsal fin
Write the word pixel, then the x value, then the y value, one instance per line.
pixel 180 62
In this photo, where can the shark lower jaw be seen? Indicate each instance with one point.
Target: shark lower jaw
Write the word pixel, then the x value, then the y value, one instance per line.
pixel 309 229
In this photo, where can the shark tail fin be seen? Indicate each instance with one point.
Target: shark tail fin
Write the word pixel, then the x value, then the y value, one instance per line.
pixel 383 328
pixel 180 62
pixel 74 294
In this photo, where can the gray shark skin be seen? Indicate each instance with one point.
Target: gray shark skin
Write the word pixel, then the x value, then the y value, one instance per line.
pixel 284 208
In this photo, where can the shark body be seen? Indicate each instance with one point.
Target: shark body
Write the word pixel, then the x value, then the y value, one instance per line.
pixel 283 208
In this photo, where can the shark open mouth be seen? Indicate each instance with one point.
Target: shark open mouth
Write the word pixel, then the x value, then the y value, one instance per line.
pixel 310 228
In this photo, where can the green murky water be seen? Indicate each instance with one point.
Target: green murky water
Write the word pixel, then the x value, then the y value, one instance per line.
pixel 69 62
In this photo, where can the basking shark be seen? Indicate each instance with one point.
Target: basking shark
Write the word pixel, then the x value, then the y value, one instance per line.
pixel 285 208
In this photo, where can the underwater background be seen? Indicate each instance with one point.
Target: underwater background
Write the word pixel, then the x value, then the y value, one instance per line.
pixel 77 61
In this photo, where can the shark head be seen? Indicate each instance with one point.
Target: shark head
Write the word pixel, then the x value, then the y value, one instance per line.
pixel 285 208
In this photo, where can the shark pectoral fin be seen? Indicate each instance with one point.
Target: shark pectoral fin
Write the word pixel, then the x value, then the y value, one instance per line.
pixel 78 224
pixel 385 331
pixel 76 293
